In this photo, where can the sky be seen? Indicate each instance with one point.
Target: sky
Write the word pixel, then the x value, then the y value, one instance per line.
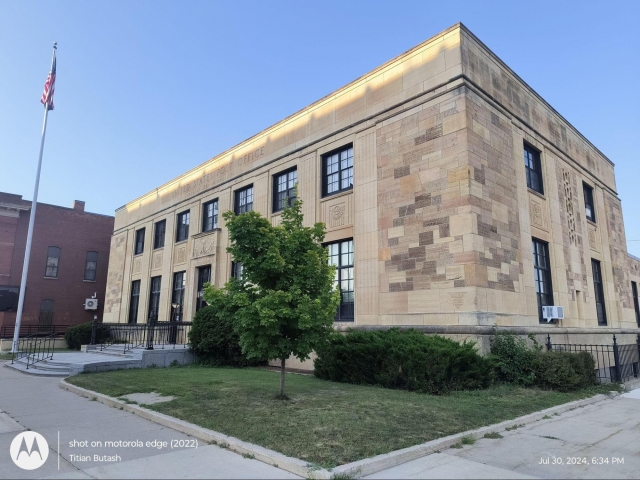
pixel 147 90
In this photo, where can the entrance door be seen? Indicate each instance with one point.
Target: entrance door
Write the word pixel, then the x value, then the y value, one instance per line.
pixel 204 276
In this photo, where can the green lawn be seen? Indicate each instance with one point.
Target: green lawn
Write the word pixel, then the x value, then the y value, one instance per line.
pixel 324 423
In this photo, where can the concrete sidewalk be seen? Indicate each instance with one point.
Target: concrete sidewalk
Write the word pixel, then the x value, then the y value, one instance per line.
pixel 606 432
pixel 38 404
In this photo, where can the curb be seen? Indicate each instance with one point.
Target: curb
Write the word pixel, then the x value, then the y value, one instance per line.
pixel 290 464
pixel 360 468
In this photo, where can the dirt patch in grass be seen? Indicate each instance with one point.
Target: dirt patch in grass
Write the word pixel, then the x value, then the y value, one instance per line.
pixel 323 423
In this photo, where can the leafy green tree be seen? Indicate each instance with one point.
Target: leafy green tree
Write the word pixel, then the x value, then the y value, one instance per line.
pixel 285 302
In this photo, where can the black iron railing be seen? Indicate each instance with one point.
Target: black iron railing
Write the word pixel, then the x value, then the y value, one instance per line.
pixel 614 362
pixel 150 335
pixel 36 348
pixel 6 331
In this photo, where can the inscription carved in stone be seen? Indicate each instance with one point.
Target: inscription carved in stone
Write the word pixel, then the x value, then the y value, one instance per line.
pixel 568 201
pixel 457 298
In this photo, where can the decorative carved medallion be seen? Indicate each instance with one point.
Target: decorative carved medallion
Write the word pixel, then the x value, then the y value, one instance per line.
pixel 137 266
pixel 157 261
pixel 336 215
pixel 568 202
pixel 593 239
pixel 536 213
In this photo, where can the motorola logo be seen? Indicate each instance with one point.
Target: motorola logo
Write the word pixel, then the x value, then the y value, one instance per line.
pixel 29 450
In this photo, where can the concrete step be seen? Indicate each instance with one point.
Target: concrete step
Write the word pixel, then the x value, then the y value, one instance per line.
pixel 112 352
pixel 45 365
pixel 21 367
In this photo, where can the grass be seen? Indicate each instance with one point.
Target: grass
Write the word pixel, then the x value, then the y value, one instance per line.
pixel 468 440
pixel 324 423
pixel 492 435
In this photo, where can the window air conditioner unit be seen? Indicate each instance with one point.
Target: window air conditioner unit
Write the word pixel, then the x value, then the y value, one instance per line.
pixel 552 312
pixel 91 304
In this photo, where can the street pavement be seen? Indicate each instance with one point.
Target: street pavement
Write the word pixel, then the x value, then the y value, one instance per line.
pixel 38 404
pixel 601 440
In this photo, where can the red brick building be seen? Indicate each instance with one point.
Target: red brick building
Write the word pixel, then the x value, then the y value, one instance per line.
pixel 69 260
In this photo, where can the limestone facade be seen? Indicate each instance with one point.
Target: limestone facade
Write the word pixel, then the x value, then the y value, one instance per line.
pixel 439 213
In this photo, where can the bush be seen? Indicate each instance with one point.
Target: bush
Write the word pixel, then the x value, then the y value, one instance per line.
pixel 214 341
pixel 79 335
pixel 516 362
pixel 513 359
pixel 407 360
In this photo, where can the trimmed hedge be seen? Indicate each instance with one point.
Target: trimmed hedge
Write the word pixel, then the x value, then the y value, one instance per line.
pixel 79 335
pixel 518 363
pixel 214 341
pixel 407 360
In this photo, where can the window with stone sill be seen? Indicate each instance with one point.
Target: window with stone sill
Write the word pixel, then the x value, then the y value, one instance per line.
pixel 210 216
pixel 533 168
pixel 589 208
pixel 53 261
pixel 542 275
pixel 341 255
pixel 182 230
pixel 139 247
pixel 337 171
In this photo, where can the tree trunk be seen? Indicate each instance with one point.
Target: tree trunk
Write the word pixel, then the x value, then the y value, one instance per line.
pixel 282 395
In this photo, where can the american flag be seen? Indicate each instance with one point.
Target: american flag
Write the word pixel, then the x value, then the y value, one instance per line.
pixel 49 87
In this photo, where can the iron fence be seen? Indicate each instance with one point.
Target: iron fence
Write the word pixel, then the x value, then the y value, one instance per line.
pixel 614 362
pixel 6 331
pixel 150 335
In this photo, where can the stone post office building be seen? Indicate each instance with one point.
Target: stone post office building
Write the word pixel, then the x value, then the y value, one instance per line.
pixel 454 197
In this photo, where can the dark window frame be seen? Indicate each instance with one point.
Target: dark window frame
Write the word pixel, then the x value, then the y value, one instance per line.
pixel 239 209
pixel 339 172
pixel 94 260
pixel 345 276
pixel 236 270
pixel 598 292
pixel 159 234
pixel 139 243
pixel 154 297
pixel 200 302
pixel 53 273
pixel 45 316
pixel 9 296
pixel 587 191
pixel 636 305
pixel 182 227
pixel 210 223
pixel 177 295
pixel 533 168
pixel 134 301
pixel 542 277
pixel 280 202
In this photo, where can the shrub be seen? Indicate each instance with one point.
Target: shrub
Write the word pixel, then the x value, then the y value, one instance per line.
pixel 213 339
pixel 514 360
pixel 79 335
pixel 564 371
pixel 407 360
pixel 517 363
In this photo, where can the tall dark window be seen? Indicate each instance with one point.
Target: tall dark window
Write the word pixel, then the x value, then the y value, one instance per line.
pixel 589 209
pixel 139 242
pixel 210 216
pixel 182 232
pixel 90 266
pixel 204 277
pixel 542 275
pixel 598 291
pixel 243 200
pixel 134 301
pixel 46 313
pixel 284 189
pixel 337 171
pixel 9 298
pixel 53 261
pixel 236 270
pixel 177 297
pixel 154 298
pixel 534 168
pixel 159 233
pixel 634 292
pixel 341 255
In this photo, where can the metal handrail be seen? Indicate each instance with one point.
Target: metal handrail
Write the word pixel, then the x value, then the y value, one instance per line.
pixel 149 335
pixel 38 349
pixel 6 331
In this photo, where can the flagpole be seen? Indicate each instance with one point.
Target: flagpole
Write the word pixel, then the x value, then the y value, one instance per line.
pixel 32 216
